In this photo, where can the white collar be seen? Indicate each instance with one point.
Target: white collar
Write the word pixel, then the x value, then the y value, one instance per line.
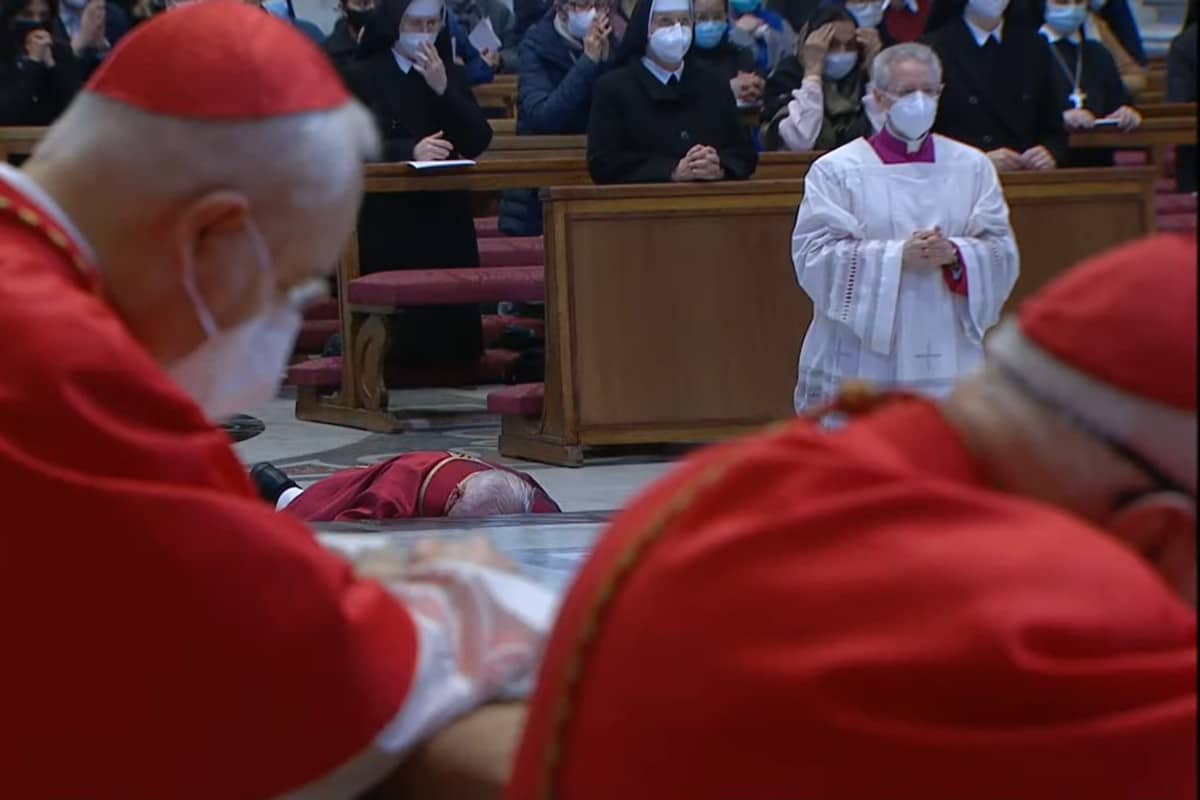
pixel 660 73
pixel 403 63
pixel 981 36
pixel 1053 36
pixel 28 187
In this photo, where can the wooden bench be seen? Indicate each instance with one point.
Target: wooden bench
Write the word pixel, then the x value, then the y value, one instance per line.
pixel 711 317
pixel 1155 135
pixel 500 94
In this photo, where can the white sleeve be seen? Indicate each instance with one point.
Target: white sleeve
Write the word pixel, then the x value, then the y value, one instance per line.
pixel 805 115
pixel 479 637
pixel 989 253
pixel 850 279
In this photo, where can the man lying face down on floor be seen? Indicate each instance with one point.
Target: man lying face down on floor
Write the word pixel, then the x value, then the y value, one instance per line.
pixel 422 484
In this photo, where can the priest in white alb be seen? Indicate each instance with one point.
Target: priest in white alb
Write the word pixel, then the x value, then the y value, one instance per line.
pixel 904 246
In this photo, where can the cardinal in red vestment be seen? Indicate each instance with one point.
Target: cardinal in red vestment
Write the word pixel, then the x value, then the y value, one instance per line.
pixel 992 598
pixel 437 483
pixel 166 635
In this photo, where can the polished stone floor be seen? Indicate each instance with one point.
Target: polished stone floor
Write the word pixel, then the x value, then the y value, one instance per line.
pixel 549 548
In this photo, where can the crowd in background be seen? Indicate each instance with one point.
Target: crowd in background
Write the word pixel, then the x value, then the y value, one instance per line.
pixel 666 90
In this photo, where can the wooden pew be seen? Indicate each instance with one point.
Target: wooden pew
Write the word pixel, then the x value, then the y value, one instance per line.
pixel 1155 135
pixel 18 141
pixel 673 313
pixel 353 404
pixel 500 94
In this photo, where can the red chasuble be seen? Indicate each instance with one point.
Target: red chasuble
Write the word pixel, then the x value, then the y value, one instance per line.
pixel 409 485
pixel 166 634
pixel 854 615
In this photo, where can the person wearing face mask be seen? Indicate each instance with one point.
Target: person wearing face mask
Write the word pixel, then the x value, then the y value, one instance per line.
pixel 561 59
pixel 904 245
pixel 659 118
pixel 868 17
pixel 470 13
pixel 992 597
pixel 713 49
pixel 1085 79
pixel 156 250
pixel 342 43
pixel 39 73
pixel 815 102
pixel 769 36
pixel 999 94
pixel 426 112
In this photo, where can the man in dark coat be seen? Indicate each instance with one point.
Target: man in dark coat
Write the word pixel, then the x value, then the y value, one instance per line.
pixel 342 42
pixel 560 59
pixel 426 112
pixel 656 119
pixel 998 94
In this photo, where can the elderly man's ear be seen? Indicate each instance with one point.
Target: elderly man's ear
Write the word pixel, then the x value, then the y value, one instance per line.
pixel 1161 528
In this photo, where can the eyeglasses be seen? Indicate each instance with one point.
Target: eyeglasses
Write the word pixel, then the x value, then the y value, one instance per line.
pixel 1162 482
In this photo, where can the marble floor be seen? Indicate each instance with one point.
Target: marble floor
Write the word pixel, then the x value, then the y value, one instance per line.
pixel 548 548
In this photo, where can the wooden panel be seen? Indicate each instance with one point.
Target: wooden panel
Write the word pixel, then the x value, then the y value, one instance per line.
pixel 675 315
pixel 18 141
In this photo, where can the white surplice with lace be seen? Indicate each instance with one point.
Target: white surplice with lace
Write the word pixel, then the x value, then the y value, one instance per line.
pixel 872 319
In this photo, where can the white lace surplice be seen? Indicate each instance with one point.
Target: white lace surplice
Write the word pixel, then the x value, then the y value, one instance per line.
pixel 897 328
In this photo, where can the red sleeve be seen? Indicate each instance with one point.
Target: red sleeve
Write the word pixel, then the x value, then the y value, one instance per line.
pixel 956 274
pixel 168 630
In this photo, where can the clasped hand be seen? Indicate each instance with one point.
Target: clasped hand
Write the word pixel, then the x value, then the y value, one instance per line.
pixel 701 163
pixel 928 250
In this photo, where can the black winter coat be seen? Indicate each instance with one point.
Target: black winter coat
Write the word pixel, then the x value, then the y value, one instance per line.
pixel 427 229
pixel 640 128
pixel 999 95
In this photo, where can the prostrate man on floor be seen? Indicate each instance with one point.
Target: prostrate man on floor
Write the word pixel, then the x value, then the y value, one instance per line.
pixel 990 599
pixel 166 634
pixel 422 484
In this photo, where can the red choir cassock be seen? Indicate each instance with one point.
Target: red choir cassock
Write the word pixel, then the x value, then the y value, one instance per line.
pixel 409 485
pixel 166 635
pixel 858 614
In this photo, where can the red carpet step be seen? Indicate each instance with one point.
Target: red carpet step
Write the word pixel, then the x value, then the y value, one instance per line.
pixel 511 251
pixel 524 399
pixel 441 287
pixel 326 373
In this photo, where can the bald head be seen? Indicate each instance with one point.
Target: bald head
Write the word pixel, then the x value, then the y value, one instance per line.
pixel 180 169
pixel 492 493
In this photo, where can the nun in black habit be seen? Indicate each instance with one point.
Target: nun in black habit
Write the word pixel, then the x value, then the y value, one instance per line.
pixel 656 119
pixel 425 110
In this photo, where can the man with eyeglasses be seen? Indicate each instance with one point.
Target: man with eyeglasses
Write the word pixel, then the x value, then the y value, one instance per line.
pixel 989 598
pixel 903 243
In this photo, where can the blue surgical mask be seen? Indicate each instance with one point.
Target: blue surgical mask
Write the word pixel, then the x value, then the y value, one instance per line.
pixel 709 34
pixel 745 6
pixel 1065 20
pixel 1097 5
pixel 839 65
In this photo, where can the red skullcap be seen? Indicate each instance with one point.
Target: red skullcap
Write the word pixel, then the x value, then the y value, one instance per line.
pixel 1126 318
pixel 219 61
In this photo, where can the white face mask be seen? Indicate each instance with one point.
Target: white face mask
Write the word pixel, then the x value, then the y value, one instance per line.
pixel 409 44
pixel 580 22
pixel 241 368
pixel 670 45
pixel 866 15
pixel 912 115
pixel 988 9
pixel 839 65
